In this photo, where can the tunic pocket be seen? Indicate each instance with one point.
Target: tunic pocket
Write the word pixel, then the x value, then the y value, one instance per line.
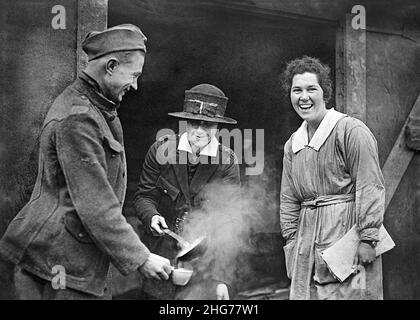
pixel 76 229
pixel 74 249
pixel 114 145
pixel 167 188
pixel 289 254
pixel 322 273
pixel 114 150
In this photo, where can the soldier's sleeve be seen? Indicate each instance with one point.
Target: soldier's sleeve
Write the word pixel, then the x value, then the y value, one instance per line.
pixel 147 196
pixel 83 161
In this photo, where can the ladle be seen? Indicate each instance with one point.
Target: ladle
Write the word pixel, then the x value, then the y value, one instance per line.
pixel 188 250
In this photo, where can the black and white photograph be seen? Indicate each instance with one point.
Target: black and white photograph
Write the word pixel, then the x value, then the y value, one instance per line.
pixel 224 151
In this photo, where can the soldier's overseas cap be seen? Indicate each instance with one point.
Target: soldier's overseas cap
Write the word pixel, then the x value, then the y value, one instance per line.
pixel 124 37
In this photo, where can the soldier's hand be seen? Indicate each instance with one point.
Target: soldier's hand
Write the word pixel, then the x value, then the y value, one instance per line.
pixel 222 292
pixel 157 224
pixel 156 267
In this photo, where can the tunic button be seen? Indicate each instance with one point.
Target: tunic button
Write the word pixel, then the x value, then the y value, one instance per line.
pixel 83 97
pixel 80 235
pixel 165 191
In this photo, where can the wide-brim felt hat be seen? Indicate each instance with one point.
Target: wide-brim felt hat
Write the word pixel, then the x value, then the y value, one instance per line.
pixel 204 102
pixel 123 37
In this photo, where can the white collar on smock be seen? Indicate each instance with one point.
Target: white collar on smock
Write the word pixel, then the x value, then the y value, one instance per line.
pixel 300 138
pixel 209 150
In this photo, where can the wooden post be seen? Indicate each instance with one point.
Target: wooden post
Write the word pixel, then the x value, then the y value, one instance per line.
pixel 340 83
pixel 91 16
pixel 351 62
pixel 399 158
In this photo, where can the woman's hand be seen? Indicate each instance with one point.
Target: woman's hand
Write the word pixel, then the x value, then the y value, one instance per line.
pixel 365 254
pixel 157 223
pixel 222 292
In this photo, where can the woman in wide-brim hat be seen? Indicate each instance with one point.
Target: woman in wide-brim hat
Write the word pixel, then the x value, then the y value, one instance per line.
pixel 175 195
pixel 204 102
pixel 204 109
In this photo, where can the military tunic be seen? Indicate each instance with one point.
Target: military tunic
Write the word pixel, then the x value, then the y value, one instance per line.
pixel 74 217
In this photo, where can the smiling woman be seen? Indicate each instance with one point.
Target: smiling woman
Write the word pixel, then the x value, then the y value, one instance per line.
pixel 308 83
pixel 331 181
pixel 200 134
pixel 307 99
pixel 310 65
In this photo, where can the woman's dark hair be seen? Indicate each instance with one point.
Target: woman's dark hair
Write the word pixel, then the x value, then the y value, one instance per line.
pixel 312 65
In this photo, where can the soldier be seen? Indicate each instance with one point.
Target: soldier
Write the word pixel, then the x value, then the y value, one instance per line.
pixel 175 184
pixel 73 223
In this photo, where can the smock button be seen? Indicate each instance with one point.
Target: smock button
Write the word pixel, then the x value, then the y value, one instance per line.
pixel 165 191
pixel 80 235
pixel 83 97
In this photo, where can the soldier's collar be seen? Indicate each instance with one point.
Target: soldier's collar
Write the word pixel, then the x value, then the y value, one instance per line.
pixel 88 86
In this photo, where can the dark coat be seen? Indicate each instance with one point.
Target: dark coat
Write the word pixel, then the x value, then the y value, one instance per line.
pixel 74 217
pixel 163 189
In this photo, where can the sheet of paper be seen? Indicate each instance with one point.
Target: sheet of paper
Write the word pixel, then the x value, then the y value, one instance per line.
pixel 385 242
pixel 341 255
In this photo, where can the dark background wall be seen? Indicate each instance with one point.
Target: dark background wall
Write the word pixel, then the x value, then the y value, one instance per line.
pixel 393 85
pixel 37 63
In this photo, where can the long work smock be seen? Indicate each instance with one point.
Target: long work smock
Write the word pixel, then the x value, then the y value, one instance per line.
pixel 328 185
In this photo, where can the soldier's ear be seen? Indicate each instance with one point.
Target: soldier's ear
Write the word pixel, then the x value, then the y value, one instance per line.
pixel 111 65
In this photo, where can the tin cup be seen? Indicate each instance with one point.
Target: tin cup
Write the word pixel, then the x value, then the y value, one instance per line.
pixel 181 276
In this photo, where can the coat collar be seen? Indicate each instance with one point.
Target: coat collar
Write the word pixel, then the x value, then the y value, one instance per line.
pixel 89 87
pixel 300 137
pixel 204 171
pixel 209 150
